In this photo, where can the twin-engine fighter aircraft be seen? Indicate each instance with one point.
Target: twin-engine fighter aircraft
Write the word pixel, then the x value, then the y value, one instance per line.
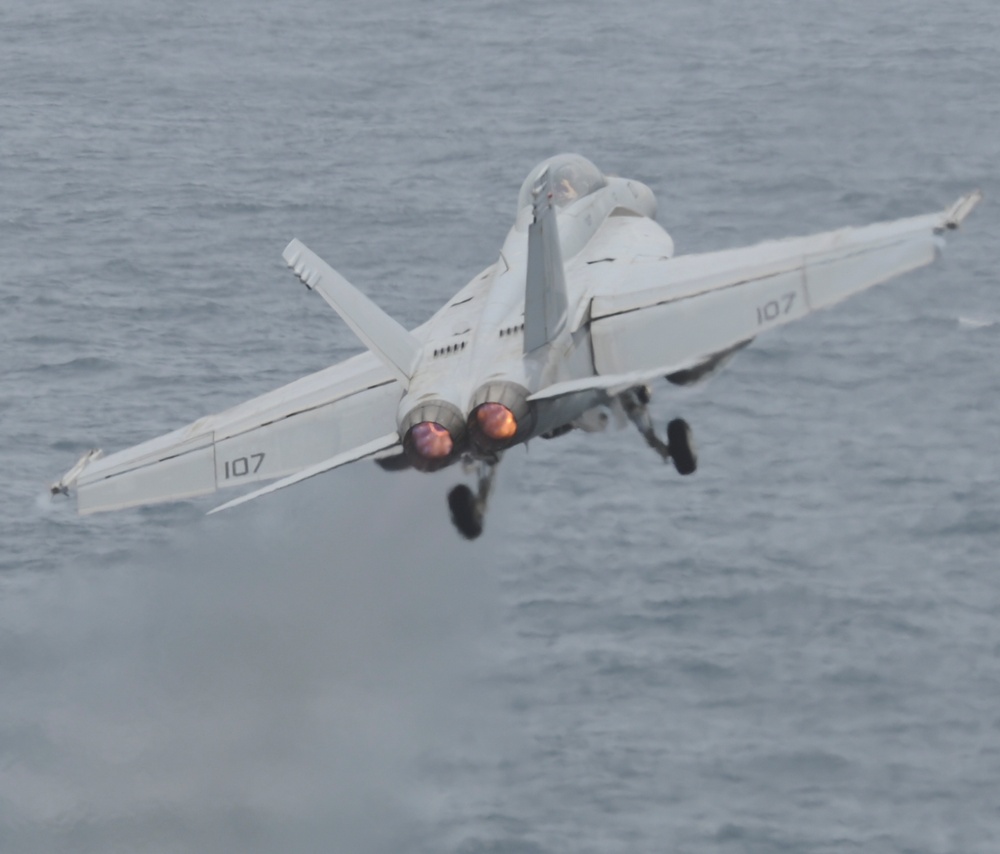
pixel 585 305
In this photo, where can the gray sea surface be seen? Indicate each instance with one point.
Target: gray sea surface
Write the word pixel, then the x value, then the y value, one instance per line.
pixel 795 650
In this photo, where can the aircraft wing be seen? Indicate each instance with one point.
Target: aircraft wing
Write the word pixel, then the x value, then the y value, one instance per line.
pixel 311 420
pixel 651 317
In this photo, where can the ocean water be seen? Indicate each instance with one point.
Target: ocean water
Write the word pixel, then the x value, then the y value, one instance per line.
pixel 795 650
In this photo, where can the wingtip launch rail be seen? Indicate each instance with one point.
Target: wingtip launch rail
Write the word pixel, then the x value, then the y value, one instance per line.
pixel 956 214
pixel 501 363
pixel 68 480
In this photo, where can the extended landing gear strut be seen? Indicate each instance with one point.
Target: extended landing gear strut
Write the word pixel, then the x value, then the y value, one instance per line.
pixel 678 448
pixel 468 507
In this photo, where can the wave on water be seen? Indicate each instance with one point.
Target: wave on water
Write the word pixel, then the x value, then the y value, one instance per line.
pixel 976 322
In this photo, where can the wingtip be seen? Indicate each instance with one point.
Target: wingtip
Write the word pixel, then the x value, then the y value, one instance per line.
pixel 294 257
pixel 956 214
pixel 292 251
pixel 68 480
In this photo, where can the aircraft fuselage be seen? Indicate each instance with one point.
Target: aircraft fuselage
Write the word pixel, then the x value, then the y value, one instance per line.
pixel 474 351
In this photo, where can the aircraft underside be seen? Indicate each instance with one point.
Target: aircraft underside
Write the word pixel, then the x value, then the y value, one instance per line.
pixel 468 505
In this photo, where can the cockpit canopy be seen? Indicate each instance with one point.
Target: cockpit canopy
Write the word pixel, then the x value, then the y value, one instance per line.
pixel 573 177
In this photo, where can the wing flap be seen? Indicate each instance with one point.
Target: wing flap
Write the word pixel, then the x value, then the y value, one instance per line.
pixel 290 444
pixel 390 440
pixel 174 444
pixel 187 475
pixel 673 333
pixel 832 278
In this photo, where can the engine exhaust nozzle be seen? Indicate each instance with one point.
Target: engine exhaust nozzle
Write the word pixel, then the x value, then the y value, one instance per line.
pixel 433 435
pixel 500 416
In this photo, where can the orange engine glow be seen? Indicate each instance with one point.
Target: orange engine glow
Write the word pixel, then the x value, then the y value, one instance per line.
pixel 496 421
pixel 431 440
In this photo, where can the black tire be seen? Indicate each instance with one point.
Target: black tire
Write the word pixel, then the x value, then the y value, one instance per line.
pixel 465 512
pixel 681 448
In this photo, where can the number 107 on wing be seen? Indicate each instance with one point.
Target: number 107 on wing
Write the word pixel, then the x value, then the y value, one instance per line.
pixel 775 308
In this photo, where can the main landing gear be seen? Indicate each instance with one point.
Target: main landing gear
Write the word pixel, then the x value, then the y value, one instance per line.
pixel 468 507
pixel 678 448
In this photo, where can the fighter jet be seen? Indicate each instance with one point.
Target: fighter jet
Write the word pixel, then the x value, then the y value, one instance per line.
pixel 584 308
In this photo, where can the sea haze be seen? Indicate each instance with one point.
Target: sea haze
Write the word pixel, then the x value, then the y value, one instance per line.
pixel 794 650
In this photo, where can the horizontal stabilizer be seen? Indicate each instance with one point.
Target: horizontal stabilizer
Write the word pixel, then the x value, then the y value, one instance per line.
pixel 383 335
pixel 359 453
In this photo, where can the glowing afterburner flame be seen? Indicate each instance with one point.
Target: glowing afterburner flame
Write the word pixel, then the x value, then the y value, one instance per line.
pixel 431 440
pixel 496 421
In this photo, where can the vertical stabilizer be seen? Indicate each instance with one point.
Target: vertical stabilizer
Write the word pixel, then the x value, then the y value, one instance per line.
pixel 545 288
pixel 383 335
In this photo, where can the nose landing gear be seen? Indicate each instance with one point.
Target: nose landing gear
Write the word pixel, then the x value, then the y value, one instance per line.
pixel 467 507
pixel 681 447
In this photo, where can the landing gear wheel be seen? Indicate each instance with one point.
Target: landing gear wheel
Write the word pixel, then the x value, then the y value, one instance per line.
pixel 681 447
pixel 466 511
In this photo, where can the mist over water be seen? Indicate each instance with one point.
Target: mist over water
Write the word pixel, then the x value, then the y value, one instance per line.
pixel 793 650
pixel 286 680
